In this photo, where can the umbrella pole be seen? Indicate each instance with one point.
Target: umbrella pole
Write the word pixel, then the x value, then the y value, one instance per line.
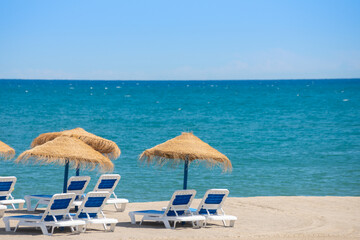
pixel 77 171
pixel 66 174
pixel 186 169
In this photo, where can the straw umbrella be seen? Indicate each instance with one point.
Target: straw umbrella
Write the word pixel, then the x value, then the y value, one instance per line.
pixel 185 148
pixel 6 151
pixel 67 151
pixel 107 147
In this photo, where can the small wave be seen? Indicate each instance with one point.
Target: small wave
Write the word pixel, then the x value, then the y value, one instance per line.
pixel 346 100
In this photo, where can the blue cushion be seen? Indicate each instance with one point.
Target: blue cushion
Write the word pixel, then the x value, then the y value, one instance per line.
pixel 107 183
pixel 211 211
pixel 94 201
pixel 60 204
pixel 27 216
pixel 2 198
pixel 5 186
pixel 214 198
pixel 182 199
pixel 76 185
pixel 49 218
pixel 151 211
pixel 83 215
pixel 172 213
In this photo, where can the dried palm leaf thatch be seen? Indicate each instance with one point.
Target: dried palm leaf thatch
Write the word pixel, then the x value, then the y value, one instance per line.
pixel 107 147
pixel 63 149
pixel 6 151
pixel 185 147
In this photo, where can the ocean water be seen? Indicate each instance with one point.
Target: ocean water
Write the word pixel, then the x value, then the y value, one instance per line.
pixel 285 138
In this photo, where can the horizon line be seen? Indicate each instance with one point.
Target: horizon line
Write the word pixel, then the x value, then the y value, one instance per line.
pixel 259 79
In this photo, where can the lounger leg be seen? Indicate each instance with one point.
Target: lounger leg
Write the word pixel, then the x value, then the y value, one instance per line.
pixel 21 206
pixel 196 224
pixel 132 217
pixel 201 223
pixel 121 208
pixel 44 229
pixel 232 223
pixel 112 227
pixel 105 227
pixel 224 222
pixel 37 204
pixel 204 224
pixel 13 206
pixel 167 224
pixel 7 224
pixel 28 203
pixel 17 225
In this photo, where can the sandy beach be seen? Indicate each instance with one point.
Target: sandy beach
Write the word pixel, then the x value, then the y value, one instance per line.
pixel 258 218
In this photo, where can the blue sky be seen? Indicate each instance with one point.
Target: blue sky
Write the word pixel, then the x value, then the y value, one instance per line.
pixel 165 40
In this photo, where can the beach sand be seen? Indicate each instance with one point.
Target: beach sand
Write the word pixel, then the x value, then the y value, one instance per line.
pixel 258 218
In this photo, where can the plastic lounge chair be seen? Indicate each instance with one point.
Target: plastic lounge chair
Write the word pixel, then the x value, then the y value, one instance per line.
pixel 7 185
pixel 91 208
pixel 211 207
pixel 54 216
pixel 108 182
pixel 176 211
pixel 76 184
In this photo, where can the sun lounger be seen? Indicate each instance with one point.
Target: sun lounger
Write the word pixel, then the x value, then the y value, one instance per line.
pixel 91 208
pixel 76 185
pixel 176 211
pixel 108 182
pixel 211 207
pixel 7 185
pixel 54 216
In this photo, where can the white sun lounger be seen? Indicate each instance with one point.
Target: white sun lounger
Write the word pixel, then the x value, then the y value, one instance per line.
pixel 54 216
pixel 108 182
pixel 211 207
pixel 7 185
pixel 76 185
pixel 176 211
pixel 91 208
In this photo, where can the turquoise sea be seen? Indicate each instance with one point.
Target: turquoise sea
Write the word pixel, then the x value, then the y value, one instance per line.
pixel 288 138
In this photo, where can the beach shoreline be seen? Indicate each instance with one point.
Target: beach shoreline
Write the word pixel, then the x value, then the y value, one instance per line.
pixel 295 218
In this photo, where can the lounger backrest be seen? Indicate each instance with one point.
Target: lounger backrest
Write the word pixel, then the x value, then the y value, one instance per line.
pixel 93 204
pixel 212 201
pixel 7 185
pixel 77 185
pixel 107 182
pixel 58 207
pixel 180 202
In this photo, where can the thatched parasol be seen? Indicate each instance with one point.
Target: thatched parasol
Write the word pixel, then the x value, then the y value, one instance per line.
pixel 107 147
pixel 188 148
pixel 6 151
pixel 67 151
